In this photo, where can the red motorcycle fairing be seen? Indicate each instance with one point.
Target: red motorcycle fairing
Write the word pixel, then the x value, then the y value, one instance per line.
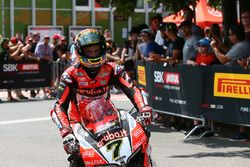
pixel 116 143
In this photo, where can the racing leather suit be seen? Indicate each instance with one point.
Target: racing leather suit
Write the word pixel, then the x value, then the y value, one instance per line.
pixel 76 89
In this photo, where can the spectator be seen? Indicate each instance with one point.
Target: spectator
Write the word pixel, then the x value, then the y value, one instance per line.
pixel 190 46
pixel 203 57
pixel 207 31
pixel 5 57
pixel 112 50
pixel 174 51
pixel 61 50
pixel 128 52
pixel 245 19
pixel 113 54
pixel 43 50
pixel 16 54
pixel 166 40
pixel 36 39
pixel 174 44
pixel 216 35
pixel 155 23
pixel 239 50
pixel 26 50
pixel 55 40
pixel 149 49
pixel 189 15
pixel 15 48
pixel 44 53
pixel 19 37
pixel 107 34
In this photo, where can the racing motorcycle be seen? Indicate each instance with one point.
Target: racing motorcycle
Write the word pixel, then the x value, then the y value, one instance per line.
pixel 111 137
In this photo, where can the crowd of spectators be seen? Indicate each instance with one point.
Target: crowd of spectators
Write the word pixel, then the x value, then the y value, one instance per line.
pixel 186 43
pixel 33 49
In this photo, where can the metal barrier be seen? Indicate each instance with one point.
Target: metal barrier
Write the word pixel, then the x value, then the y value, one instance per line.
pixel 58 68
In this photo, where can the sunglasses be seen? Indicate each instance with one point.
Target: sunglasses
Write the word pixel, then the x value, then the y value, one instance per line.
pixel 202 46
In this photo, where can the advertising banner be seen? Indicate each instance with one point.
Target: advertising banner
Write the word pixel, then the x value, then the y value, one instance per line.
pixel 14 75
pixel 227 93
pixel 219 93
pixel 177 89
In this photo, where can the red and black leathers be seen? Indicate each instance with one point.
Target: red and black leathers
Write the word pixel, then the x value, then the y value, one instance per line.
pixel 77 88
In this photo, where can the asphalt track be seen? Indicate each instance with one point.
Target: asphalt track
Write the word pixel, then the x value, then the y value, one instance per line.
pixel 30 139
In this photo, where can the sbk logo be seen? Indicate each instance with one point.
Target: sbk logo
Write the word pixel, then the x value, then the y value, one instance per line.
pixel 158 77
pixel 10 68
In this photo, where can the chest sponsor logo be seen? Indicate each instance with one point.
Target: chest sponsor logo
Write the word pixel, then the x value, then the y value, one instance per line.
pixel 232 85
pixel 93 91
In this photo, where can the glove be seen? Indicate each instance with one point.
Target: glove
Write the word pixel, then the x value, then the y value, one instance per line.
pixel 70 144
pixel 146 114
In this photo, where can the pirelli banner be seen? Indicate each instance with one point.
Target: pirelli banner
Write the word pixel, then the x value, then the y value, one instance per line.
pixel 227 94
pixel 217 92
pixel 25 74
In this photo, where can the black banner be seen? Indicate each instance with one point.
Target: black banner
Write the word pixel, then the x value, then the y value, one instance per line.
pixel 227 94
pixel 25 74
pixel 220 93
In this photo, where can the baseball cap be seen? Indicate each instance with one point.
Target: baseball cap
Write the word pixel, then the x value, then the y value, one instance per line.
pixel 145 31
pixel 4 40
pixel 171 27
pixel 13 40
pixel 185 24
pixel 162 26
pixel 46 37
pixel 204 42
pixel 56 36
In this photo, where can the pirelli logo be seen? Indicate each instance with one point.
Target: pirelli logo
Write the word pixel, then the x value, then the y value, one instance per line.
pixel 141 75
pixel 232 85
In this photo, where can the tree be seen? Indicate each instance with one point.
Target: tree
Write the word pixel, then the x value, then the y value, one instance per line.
pixel 126 7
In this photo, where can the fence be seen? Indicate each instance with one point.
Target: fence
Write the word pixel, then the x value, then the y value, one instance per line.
pixel 219 93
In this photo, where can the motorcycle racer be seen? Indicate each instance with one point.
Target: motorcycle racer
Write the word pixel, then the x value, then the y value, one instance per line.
pixel 88 79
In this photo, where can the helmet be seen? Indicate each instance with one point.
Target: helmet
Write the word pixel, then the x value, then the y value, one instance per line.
pixel 87 38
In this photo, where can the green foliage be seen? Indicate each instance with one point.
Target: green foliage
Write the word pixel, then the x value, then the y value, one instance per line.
pixel 126 7
pixel 172 5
